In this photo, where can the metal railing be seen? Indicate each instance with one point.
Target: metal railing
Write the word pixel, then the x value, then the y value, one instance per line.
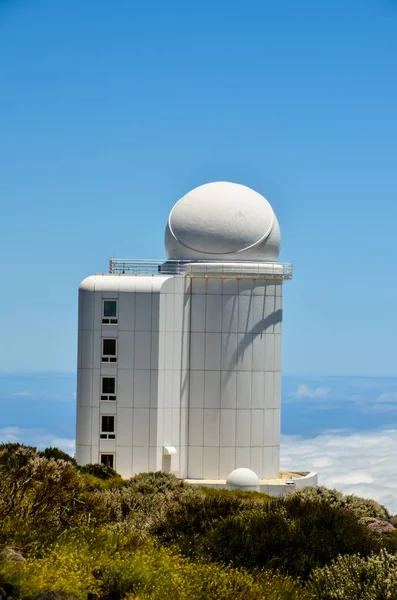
pixel 207 268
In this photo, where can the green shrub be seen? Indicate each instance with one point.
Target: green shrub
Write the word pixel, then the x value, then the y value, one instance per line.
pixel 294 535
pixel 57 454
pixel 98 470
pixel 357 578
pixel 188 522
pixel 39 498
pixel 362 507
pixel 108 565
pixel 239 494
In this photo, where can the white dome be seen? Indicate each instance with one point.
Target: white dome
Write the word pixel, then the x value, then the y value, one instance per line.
pixel 243 479
pixel 222 220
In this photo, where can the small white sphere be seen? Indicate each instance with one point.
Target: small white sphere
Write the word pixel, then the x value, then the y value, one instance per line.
pixel 222 220
pixel 243 479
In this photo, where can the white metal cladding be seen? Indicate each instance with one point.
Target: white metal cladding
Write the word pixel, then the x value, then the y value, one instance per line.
pixel 198 369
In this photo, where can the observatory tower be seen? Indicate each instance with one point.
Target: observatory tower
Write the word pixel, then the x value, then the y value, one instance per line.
pixel 179 361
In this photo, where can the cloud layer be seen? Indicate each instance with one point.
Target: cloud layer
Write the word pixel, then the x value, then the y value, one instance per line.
pixel 355 463
pixel 36 437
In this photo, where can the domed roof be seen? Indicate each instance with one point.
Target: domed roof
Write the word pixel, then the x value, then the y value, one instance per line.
pixel 243 479
pixel 222 220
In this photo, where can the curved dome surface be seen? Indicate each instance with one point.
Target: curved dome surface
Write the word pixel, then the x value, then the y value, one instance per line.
pixel 243 479
pixel 222 220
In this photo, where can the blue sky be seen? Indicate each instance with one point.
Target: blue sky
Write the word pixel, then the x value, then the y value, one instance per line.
pixel 109 112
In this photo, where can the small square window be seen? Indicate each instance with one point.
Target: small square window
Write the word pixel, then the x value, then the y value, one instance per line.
pixel 108 390
pixel 108 460
pixel 107 427
pixel 109 313
pixel 109 347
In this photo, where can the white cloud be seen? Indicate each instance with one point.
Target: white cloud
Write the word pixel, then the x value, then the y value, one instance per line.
pixel 355 463
pixel 23 394
pixel 387 398
pixel 37 437
pixel 305 391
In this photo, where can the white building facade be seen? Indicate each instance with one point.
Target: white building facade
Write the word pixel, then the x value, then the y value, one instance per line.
pixel 179 362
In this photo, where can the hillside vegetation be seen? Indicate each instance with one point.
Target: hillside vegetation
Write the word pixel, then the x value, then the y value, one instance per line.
pixel 78 530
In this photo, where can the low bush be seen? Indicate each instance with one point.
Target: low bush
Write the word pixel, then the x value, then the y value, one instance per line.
pixel 356 578
pixel 108 565
pixel 362 507
pixel 57 454
pixel 293 534
pixel 239 494
pixel 98 470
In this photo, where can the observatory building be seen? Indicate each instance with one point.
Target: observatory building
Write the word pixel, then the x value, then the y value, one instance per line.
pixel 179 361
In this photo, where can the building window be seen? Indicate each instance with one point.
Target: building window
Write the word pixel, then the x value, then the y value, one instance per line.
pixel 107 427
pixel 109 312
pixel 108 460
pixel 108 390
pixel 109 350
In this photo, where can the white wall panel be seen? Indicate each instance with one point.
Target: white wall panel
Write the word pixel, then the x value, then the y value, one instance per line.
pixel 126 311
pixel 268 433
pixel 125 388
pixel 277 351
pixel 245 310
pixel 124 436
pixel 197 319
pixel 229 351
pixel 257 460
pixel 213 313
pixel 243 457
pixel 228 389
pixel 123 464
pixel 86 316
pixel 257 427
pixel 141 388
pixel 229 313
pixel 228 428
pixel 195 462
pixel 167 431
pixel 140 459
pixel 258 351
pixel 270 469
pixel 212 389
pixel 212 351
pixel 197 389
pixel 125 349
pixel 211 427
pixel 243 428
pixel 140 427
pixel 214 286
pixel 230 286
pixel 258 389
pixel 169 312
pixel 84 392
pixel 244 351
pixel 199 285
pixel 211 462
pixel 142 349
pixel 269 352
pixel 244 390
pixel 270 400
pixel 227 461
pixel 196 427
pixel 86 341
pixel 197 351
